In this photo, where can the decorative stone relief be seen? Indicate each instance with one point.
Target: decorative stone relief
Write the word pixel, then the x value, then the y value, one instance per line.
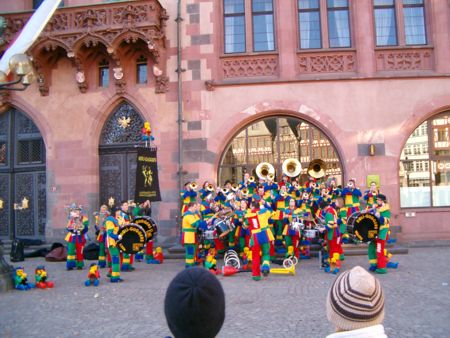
pixel 210 85
pixel 250 66
pixel 326 63
pixel 162 84
pixel 412 59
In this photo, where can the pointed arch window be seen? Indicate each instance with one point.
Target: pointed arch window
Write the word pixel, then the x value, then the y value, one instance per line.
pixel 103 73
pixel 142 70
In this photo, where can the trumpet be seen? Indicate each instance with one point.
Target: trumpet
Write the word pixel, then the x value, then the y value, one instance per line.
pixel 270 177
pixel 225 191
pixel 244 192
pixel 193 186
pixel 251 179
pixel 210 187
pixel 234 187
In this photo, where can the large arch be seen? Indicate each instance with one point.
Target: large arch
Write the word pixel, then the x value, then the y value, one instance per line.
pixel 292 109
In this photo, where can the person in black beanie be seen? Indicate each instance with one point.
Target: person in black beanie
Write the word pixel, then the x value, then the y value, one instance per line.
pixel 195 304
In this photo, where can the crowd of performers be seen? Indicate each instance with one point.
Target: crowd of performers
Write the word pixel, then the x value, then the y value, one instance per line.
pixel 108 221
pixel 259 219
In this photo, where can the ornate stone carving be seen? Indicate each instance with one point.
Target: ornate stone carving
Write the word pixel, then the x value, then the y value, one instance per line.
pixel 407 59
pixel 250 66
pixel 80 76
pixel 162 84
pixel 108 24
pixel 41 78
pixel 326 62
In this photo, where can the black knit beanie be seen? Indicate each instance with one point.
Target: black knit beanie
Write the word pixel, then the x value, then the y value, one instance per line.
pixel 195 304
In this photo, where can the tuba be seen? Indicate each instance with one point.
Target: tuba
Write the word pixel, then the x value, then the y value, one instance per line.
pixel 316 168
pixel 291 167
pixel 264 169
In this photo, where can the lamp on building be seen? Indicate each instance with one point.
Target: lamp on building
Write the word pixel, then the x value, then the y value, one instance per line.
pixel 22 73
pixel 372 149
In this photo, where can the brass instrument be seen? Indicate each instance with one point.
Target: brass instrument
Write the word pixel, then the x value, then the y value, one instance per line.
pixel 210 187
pixel 317 168
pixel 193 185
pixel 225 191
pixel 283 193
pixel 245 192
pixel 264 169
pixel 251 179
pixel 234 187
pixel 291 167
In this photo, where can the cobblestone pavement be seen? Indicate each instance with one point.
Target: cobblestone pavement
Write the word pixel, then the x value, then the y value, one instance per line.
pixel 417 301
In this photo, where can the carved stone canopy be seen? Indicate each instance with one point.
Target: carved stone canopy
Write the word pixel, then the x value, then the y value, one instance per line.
pixel 109 24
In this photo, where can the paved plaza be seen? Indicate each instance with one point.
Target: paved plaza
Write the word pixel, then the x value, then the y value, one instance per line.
pixel 417 301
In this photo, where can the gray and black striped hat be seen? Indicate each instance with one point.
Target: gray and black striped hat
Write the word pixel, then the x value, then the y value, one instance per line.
pixel 355 300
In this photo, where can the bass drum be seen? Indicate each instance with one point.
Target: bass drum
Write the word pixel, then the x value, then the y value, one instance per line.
pixel 149 226
pixel 133 238
pixel 364 226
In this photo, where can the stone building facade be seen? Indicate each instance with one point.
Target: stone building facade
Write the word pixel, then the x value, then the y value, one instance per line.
pixel 357 77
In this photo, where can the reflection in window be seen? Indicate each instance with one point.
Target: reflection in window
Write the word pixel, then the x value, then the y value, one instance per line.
pixel 263 34
pixel 309 23
pixel 424 176
pixel 385 25
pixel 141 70
pixel 274 140
pixel 2 153
pixel 103 73
pixel 234 24
pixel 338 23
pixel 414 18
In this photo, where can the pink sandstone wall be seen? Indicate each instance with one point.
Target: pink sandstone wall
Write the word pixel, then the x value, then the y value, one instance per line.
pixel 361 107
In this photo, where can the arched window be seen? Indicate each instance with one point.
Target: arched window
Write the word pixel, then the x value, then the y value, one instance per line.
pixel 425 165
pixel 273 140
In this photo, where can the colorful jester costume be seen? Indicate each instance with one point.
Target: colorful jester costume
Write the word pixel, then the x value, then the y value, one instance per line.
pixel 101 235
pixel 257 220
pixel 93 275
pixel 112 233
pixel 191 222
pixel 376 251
pixel 41 278
pixel 77 227
pixel 21 281
pixel 291 232
pixel 333 239
pixel 126 260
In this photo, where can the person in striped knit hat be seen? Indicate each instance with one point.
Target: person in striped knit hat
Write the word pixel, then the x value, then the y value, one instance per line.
pixel 355 305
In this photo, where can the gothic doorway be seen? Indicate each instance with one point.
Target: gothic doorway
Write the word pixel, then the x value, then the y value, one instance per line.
pixel 22 177
pixel 117 152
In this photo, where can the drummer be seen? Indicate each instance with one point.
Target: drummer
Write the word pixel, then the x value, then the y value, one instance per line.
pixel 112 230
pixel 125 218
pixel 144 209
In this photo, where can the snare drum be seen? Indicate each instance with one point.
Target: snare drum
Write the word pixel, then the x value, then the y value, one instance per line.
pixel 222 227
pixel 364 226
pixel 133 238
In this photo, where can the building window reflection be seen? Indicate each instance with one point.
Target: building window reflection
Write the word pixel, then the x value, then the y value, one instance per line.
pixel 424 174
pixel 273 140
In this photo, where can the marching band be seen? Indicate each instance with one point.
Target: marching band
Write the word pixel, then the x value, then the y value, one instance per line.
pixel 267 218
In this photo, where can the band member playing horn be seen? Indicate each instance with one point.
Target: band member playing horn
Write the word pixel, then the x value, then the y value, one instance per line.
pixel 191 222
pixel 242 233
pixel 100 229
pixel 112 232
pixel 370 196
pixel 77 227
pixel 376 251
pixel 188 195
pixel 257 220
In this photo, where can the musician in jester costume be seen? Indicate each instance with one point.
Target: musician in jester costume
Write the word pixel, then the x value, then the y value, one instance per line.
pixel 242 233
pixel 191 222
pixel 188 195
pixel 257 220
pixel 77 227
pixel 370 196
pixel 125 218
pixel 306 214
pixel 145 209
pixel 279 203
pixel 291 233
pixel 332 237
pixel 376 251
pixel 351 196
pixel 100 231
pixel 112 233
